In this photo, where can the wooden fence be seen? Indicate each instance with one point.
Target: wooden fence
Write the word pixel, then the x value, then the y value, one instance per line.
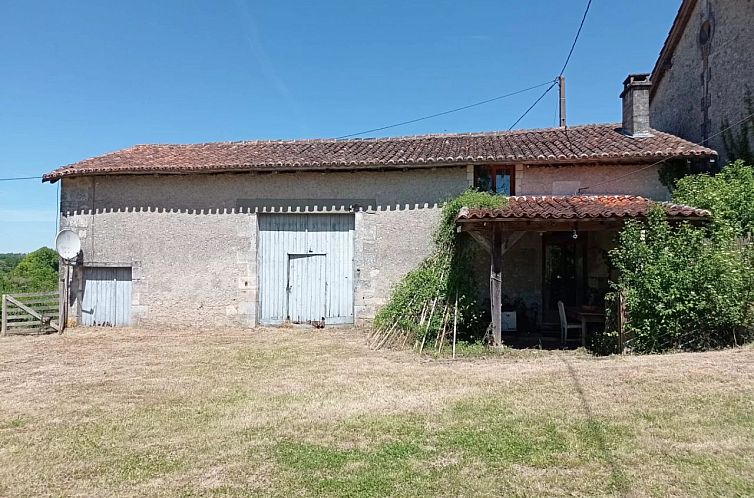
pixel 31 313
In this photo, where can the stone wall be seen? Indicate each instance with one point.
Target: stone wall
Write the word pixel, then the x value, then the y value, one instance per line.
pixel 193 249
pixel 707 78
pixel 567 180
pixel 191 239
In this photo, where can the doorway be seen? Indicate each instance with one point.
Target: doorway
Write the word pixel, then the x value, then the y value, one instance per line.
pixel 306 260
pixel 106 300
pixel 306 288
pixel 564 271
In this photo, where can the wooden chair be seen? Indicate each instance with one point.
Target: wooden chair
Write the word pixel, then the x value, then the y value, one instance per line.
pixel 564 325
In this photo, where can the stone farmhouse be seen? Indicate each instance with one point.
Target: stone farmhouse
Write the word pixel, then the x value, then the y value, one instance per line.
pixel 318 231
pixel 703 80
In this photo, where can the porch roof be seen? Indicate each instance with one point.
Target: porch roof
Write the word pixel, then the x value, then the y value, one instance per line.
pixel 579 207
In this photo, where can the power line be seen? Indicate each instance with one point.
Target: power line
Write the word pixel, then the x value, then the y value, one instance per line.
pixel 449 111
pixel 13 179
pixel 565 65
pixel 534 104
pixel 667 158
pixel 576 38
pixel 552 83
pixel 487 101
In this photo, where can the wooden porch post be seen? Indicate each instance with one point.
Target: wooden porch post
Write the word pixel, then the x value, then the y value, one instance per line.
pixel 496 285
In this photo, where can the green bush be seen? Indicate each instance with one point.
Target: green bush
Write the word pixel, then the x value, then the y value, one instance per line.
pixel 686 288
pixel 607 341
pixel 729 195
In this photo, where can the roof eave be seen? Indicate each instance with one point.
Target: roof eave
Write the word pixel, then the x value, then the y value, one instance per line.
pixel 570 219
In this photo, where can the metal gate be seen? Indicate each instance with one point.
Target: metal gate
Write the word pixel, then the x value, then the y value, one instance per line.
pixel 306 268
pixel 107 297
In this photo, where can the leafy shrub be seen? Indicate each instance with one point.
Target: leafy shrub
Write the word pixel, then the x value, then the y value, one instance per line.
pixel 607 341
pixel 442 276
pixel 686 288
pixel 729 195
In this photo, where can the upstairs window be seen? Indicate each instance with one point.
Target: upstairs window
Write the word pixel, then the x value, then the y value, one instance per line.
pixel 497 179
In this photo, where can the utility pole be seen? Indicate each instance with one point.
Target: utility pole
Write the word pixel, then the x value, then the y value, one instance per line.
pixel 561 85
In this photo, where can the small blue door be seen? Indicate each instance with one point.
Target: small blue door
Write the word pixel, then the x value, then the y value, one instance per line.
pixel 107 297
pixel 307 288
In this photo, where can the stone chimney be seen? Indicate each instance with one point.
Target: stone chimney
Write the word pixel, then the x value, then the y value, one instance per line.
pixel 636 105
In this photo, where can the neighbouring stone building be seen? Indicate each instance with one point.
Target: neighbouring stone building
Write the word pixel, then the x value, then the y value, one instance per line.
pixel 241 233
pixel 704 77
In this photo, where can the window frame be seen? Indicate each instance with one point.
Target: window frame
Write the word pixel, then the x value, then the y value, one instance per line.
pixel 494 169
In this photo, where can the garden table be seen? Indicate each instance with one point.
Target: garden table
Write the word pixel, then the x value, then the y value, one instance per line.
pixel 585 316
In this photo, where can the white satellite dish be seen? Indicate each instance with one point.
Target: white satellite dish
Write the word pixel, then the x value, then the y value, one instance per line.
pixel 68 244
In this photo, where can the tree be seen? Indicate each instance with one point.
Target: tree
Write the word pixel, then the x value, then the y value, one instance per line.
pixel 9 261
pixel 36 272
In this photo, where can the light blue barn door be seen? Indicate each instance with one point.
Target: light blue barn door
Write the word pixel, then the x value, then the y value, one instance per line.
pixel 306 288
pixel 329 236
pixel 107 297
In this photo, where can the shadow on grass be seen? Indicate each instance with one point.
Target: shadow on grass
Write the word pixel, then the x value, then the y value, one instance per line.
pixel 618 479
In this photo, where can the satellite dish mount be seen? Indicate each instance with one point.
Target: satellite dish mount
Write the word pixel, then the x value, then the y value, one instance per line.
pixel 68 246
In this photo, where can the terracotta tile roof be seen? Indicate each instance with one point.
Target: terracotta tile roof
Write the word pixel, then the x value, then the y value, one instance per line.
pixel 602 143
pixel 527 207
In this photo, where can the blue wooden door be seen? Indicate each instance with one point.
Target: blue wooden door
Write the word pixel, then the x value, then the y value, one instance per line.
pixel 331 236
pixel 106 300
pixel 307 292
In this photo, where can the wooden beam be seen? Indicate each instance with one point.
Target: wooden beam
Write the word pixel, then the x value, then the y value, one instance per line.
pixel 513 238
pixel 482 239
pixel 559 225
pixel 63 300
pixel 496 286
pixel 36 294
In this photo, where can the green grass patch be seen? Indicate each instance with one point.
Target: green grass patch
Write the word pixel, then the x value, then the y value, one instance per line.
pixel 388 455
pixel 14 423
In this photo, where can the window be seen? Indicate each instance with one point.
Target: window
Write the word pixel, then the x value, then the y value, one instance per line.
pixel 498 179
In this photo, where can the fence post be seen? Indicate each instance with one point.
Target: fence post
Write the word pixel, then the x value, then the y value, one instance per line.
pixel 62 301
pixel 4 329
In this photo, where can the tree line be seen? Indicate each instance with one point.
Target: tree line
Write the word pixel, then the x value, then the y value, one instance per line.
pixel 33 272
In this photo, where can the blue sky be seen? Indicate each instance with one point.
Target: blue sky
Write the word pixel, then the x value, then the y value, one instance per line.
pixel 82 78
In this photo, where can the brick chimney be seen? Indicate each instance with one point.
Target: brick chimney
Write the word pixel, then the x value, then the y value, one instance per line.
pixel 636 105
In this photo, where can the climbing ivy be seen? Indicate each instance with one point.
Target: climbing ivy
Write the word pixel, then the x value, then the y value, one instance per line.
pixel 422 305
pixel 738 142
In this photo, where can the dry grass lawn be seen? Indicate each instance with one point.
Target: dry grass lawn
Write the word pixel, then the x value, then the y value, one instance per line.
pixel 277 412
